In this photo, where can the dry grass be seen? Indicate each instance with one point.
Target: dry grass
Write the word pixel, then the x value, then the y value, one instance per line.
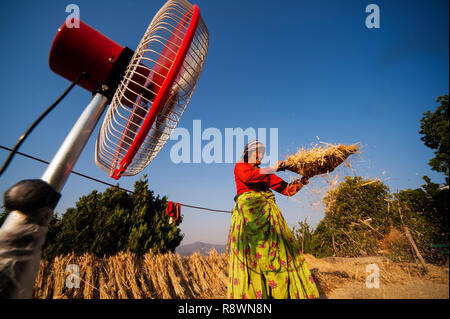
pixel 345 278
pixel 319 159
pixel 392 239
pixel 171 276
pixel 123 276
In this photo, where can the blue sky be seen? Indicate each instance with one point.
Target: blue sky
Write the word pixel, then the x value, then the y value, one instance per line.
pixel 309 68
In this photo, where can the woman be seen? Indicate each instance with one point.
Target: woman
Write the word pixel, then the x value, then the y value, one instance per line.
pixel 265 262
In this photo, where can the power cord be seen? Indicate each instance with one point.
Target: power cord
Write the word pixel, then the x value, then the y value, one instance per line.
pixel 39 119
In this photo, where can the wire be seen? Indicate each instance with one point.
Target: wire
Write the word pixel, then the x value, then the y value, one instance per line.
pixel 19 142
pixel 74 172
pixel 210 209
pixel 102 182
pixel 39 119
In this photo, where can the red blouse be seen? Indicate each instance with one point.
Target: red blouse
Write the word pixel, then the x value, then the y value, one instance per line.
pixel 249 178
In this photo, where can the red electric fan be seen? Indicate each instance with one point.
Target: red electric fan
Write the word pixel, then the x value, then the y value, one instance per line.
pixel 149 89
pixel 155 90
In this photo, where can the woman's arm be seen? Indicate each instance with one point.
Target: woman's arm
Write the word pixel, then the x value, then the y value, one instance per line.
pixel 248 174
pixel 295 186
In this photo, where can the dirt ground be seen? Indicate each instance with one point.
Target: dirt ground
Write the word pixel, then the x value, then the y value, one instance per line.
pixel 345 278
pixel 418 289
pixel 169 276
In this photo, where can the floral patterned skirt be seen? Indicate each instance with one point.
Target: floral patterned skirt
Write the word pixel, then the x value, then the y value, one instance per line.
pixel 265 262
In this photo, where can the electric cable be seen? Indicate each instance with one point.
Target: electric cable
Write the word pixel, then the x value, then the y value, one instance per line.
pixel 108 184
pixel 37 121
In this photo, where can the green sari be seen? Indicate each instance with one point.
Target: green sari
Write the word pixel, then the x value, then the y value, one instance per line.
pixel 265 262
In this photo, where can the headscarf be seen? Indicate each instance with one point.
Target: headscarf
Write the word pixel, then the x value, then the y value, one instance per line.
pixel 251 147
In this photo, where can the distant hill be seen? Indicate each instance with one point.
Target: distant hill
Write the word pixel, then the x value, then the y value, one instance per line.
pixel 203 248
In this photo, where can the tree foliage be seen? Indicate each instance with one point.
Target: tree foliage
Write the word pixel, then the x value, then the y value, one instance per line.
pixel 350 208
pixel 434 128
pixel 3 215
pixel 113 221
pixel 363 218
pixel 426 215
pixel 304 231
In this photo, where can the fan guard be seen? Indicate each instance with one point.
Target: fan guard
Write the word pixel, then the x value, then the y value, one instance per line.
pixel 155 91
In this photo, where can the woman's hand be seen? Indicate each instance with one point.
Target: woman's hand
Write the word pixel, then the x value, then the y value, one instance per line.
pixel 299 183
pixel 274 167
pixel 279 166
pixel 304 180
pixel 294 187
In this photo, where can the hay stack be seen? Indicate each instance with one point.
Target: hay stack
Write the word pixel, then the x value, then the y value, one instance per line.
pixel 319 159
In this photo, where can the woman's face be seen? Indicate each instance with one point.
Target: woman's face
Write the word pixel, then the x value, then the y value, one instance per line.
pixel 256 157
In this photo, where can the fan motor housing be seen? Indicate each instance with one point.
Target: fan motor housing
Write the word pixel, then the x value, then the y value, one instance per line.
pixel 83 49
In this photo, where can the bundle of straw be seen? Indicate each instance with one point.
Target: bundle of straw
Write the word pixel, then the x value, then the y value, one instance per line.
pixel 319 159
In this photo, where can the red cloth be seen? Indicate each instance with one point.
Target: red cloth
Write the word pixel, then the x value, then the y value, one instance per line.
pixel 249 178
pixel 173 210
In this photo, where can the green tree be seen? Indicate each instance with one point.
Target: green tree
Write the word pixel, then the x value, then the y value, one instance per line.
pixel 3 215
pixel 360 216
pixel 113 221
pixel 304 233
pixel 425 212
pixel 434 128
pixel 355 216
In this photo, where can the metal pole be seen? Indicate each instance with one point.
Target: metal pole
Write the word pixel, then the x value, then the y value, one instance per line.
pixel 32 203
pixel 60 167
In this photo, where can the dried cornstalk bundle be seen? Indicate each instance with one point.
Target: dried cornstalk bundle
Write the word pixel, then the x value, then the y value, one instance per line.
pixel 119 270
pixel 41 286
pixel 103 280
pixel 166 290
pixel 150 269
pixel 132 270
pixel 59 267
pixel 196 276
pixel 174 278
pixel 89 269
pixel 319 159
